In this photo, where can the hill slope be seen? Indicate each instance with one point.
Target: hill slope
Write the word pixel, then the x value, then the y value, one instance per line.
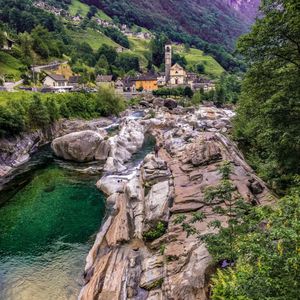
pixel 214 21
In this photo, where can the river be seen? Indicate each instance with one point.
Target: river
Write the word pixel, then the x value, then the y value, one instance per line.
pixel 48 220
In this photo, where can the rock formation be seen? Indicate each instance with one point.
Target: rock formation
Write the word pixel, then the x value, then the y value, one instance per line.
pixel 141 252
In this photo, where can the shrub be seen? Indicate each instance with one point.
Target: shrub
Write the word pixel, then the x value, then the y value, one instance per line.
pixel 155 232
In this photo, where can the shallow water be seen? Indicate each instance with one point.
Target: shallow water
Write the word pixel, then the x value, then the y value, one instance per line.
pixel 48 223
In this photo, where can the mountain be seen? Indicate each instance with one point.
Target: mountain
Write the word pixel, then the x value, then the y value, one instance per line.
pixel 214 21
pixel 246 8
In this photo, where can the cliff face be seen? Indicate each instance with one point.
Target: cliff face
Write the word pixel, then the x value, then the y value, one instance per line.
pixel 248 9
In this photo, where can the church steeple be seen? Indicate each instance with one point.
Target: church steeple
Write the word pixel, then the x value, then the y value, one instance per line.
pixel 168 61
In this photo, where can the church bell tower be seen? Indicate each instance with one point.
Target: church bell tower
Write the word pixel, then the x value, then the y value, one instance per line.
pixel 168 62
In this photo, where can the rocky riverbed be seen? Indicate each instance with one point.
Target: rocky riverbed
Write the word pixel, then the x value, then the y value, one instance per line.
pixel 123 264
pixel 192 144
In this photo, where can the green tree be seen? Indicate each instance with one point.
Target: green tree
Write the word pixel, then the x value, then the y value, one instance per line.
pixel 157 47
pixel 107 102
pixel 2 39
pixel 53 109
pixel 109 52
pixel 102 66
pixel 200 68
pixel 26 47
pixel 268 116
pixel 38 113
pixel 267 250
pixel 188 92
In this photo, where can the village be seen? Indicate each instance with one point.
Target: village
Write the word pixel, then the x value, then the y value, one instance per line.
pixel 58 77
pixel 125 29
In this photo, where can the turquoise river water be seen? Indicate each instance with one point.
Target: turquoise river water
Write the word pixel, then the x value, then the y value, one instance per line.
pixel 48 221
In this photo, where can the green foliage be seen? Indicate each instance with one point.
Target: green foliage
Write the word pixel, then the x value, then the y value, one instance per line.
pixel 108 102
pixel 267 125
pixel 201 68
pixel 128 62
pixel 2 39
pixel 177 92
pixel 178 59
pixel 188 92
pixel 267 255
pixel 155 285
pixel 218 25
pixel 155 232
pixel 227 90
pixel 157 47
pixel 225 169
pixel 11 122
pixel 117 36
pixel 197 217
pixel 197 98
pixel 179 219
pixel 53 109
pixel 33 111
pixel 220 193
pixel 37 113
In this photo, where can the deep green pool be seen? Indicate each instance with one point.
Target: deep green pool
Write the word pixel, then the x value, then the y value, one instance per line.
pixel 46 230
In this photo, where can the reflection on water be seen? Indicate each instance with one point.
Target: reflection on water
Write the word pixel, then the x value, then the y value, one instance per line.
pixel 46 230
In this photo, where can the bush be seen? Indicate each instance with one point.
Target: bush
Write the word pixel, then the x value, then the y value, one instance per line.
pixel 108 102
pixel 33 111
pixel 155 232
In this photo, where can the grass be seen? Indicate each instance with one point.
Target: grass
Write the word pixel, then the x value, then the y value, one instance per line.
pixel 78 7
pixel 102 15
pixel 141 48
pixel 94 38
pixel 82 9
pixel 195 56
pixel 9 65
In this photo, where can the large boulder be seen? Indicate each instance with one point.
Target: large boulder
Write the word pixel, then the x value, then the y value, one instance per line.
pixel 170 104
pixel 78 146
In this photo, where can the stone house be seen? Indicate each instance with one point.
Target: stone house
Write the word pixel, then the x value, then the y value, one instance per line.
pixel 178 75
pixel 119 86
pixel 56 81
pixel 146 82
pixel 202 83
pixel 129 84
pixel 104 81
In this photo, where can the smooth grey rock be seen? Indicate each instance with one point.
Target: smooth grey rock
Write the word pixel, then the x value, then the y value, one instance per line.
pixel 79 146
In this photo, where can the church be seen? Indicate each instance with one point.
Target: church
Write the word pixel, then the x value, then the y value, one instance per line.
pixel 175 75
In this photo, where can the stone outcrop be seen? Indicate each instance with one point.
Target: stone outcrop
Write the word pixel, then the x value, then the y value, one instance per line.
pixel 125 263
pixel 79 146
pixel 15 151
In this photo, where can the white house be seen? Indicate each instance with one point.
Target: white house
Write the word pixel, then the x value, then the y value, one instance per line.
pixel 56 82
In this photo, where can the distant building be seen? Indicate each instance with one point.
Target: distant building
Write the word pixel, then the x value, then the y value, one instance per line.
pixel 119 86
pixel 161 79
pixel 168 62
pixel 8 43
pixel 75 81
pixel 120 49
pixel 104 81
pixel 56 82
pixel 178 75
pixel 146 82
pixel 202 83
pixel 129 84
